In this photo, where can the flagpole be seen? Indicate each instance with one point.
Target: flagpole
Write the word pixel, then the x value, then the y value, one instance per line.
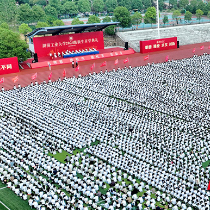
pixel 158 20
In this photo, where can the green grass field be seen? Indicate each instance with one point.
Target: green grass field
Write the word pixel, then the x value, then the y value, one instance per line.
pixel 11 200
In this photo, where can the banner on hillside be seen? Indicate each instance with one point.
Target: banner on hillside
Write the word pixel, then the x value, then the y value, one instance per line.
pixel 158 45
pixel 43 46
pixel 9 65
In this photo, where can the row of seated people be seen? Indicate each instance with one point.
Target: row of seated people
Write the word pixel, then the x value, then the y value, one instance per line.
pixel 68 52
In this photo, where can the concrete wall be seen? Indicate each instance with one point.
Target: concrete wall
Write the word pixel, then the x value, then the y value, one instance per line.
pixel 189 34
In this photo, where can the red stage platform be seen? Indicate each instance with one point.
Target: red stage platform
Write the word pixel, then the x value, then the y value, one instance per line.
pixel 104 53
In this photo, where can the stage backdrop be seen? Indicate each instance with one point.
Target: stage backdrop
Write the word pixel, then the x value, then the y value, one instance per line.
pixel 158 45
pixel 9 65
pixel 43 46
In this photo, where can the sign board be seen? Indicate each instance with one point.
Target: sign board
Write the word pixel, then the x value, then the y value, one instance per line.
pixel 9 65
pixel 154 45
pixel 43 46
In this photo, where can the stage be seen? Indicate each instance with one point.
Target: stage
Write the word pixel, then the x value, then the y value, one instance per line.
pixel 105 53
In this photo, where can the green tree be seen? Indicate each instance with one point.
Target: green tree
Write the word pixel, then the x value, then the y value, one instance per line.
pixel 207 8
pixel 42 24
pixel 93 19
pixel 61 9
pixel 161 5
pixel 24 29
pixel 201 6
pixel 208 15
pixel 122 15
pixel 136 18
pixel 84 6
pixel 110 30
pixel 98 6
pixel 183 3
pixel 50 19
pixel 8 11
pixel 70 8
pixel 107 19
pixel 54 3
pixel 165 19
pixel 110 5
pixel 188 16
pixel 124 3
pixel 137 4
pixel 173 3
pixel 176 14
pixel 199 14
pixel 25 14
pixel 51 11
pixel 147 3
pixel 12 45
pixel 38 13
pixel 23 1
pixel 40 2
pixel 76 21
pixel 58 23
pixel 150 15
pixel 4 25
pixel 193 6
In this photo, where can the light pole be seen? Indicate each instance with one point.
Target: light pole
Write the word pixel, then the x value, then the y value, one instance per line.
pixel 158 21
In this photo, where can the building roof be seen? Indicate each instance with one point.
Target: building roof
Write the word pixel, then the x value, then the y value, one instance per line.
pixel 56 30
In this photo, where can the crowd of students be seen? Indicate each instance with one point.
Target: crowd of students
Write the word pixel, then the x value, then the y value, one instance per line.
pixel 141 136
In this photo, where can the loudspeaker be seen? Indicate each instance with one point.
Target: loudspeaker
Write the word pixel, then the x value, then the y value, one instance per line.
pixel 177 44
pixel 35 57
pixel 126 46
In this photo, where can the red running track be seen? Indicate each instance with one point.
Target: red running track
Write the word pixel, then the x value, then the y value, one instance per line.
pixel 137 59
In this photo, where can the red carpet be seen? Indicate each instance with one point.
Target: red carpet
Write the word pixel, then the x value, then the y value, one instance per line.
pixel 136 59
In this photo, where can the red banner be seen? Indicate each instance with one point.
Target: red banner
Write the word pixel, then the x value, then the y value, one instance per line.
pixel 43 46
pixel 80 59
pixel 9 65
pixel 158 45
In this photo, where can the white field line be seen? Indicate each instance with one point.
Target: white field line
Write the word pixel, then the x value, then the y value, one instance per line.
pixel 4 205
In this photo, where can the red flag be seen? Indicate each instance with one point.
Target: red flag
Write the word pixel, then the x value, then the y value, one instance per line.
pixel 116 62
pixel 208 186
pixel 193 50
pixel 2 80
pixel 146 57
pixel 202 47
pixel 126 60
pixel 103 64
pixel 34 76
pixel 15 79
pixel 77 69
pixel 64 72
pixel 92 67
pixel 167 57
pixel 50 76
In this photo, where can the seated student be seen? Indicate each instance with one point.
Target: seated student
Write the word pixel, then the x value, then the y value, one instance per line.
pixel 67 159
pixel 55 56
pixel 59 55
pixel 63 53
